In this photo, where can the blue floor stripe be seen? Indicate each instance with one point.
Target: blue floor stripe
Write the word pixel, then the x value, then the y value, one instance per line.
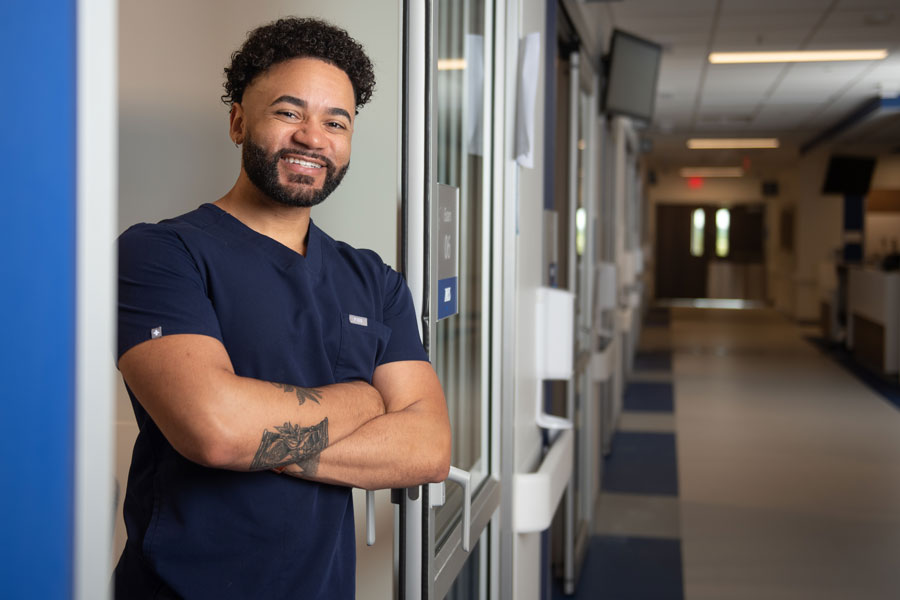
pixel 653 360
pixel 629 568
pixel 642 463
pixel 889 389
pixel 652 396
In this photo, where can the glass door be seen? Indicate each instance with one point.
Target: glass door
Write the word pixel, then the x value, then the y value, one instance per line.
pixel 444 534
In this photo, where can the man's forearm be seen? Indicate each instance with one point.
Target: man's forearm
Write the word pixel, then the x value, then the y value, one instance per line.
pixel 374 457
pixel 408 445
pixel 218 419
pixel 303 423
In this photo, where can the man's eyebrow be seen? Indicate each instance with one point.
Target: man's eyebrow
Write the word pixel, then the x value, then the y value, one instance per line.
pixel 339 112
pixel 300 103
pixel 290 100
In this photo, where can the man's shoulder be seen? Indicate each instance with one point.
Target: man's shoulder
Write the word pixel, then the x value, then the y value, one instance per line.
pixel 347 253
pixel 180 227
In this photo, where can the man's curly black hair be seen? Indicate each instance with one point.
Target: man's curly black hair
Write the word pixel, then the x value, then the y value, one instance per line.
pixel 298 38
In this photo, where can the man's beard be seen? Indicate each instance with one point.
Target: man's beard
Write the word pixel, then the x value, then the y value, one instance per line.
pixel 263 172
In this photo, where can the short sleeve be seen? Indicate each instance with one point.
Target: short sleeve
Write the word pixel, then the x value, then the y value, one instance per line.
pixel 400 316
pixel 161 289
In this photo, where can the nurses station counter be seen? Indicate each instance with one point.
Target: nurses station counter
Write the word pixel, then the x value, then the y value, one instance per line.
pixel 873 317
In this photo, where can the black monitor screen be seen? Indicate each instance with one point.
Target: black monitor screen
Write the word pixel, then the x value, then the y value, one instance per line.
pixel 848 175
pixel 633 72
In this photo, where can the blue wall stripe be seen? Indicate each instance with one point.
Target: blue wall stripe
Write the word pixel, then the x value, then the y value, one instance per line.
pixel 37 302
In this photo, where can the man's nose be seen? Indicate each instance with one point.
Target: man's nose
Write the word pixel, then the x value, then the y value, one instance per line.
pixel 310 134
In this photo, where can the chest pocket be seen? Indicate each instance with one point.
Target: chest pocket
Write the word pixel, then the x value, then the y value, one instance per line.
pixel 363 342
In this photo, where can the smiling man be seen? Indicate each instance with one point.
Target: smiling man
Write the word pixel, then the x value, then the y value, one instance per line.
pixel 270 367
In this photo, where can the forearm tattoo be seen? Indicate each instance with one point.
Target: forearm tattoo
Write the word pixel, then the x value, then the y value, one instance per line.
pixel 303 394
pixel 292 444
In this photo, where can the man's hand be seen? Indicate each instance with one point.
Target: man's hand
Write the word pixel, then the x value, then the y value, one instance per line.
pixel 408 445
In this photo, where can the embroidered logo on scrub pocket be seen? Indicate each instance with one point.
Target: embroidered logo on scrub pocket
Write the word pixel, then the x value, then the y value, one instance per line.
pixel 362 321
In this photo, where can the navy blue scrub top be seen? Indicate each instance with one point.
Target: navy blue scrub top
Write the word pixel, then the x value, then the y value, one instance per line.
pixel 327 317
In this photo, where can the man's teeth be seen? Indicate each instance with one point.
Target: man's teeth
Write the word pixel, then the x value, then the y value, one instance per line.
pixel 303 163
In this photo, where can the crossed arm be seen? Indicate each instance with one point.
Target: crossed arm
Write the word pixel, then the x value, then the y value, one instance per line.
pixel 393 433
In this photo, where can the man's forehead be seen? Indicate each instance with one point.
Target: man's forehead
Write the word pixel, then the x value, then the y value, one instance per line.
pixel 309 79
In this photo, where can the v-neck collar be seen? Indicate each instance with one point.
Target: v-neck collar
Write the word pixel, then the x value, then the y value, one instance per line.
pixel 283 256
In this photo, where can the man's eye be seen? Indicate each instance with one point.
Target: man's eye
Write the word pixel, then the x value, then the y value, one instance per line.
pixel 336 125
pixel 288 114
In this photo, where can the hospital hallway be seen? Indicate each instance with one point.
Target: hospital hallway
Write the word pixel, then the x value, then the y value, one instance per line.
pixel 748 463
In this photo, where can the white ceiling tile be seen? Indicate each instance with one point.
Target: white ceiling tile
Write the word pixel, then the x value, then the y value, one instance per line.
pixel 738 109
pixel 755 42
pixel 768 21
pixel 868 4
pixel 639 8
pixel 751 72
pixel 766 6
pixel 782 116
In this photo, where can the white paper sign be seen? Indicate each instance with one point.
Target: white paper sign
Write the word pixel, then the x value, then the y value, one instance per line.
pixel 529 69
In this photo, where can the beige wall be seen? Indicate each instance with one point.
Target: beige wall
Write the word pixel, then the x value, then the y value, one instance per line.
pixel 883 229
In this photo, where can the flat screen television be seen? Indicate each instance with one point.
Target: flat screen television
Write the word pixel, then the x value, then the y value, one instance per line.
pixel 848 175
pixel 631 76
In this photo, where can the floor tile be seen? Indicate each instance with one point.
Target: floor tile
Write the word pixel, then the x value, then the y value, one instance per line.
pixel 641 463
pixel 649 396
pixel 649 422
pixel 638 515
pixel 630 568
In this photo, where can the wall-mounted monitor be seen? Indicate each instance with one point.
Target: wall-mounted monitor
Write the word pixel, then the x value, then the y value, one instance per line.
pixel 631 76
pixel 848 175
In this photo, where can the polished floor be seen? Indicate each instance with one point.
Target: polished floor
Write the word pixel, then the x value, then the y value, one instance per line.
pixel 788 468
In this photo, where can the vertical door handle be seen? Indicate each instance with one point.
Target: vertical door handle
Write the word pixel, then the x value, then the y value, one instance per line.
pixel 464 478
pixel 370 518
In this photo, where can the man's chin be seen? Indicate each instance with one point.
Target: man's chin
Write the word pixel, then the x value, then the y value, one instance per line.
pixel 305 199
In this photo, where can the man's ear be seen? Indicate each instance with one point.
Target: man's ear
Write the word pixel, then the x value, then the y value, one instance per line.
pixel 236 123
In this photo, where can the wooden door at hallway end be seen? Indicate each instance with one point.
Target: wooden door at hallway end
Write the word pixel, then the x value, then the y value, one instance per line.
pixel 679 274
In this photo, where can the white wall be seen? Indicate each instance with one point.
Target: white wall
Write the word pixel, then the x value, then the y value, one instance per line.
pixel 818 230
pixel 175 153
pixel 526 571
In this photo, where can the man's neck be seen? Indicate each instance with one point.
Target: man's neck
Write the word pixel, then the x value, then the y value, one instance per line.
pixel 287 225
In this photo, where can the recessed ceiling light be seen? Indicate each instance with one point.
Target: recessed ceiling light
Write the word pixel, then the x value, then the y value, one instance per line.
pixel 719 58
pixel 711 172
pixel 729 143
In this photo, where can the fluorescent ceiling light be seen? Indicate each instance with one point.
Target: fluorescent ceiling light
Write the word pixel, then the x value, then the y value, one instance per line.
pixel 451 64
pixel 711 172
pixel 729 143
pixel 718 58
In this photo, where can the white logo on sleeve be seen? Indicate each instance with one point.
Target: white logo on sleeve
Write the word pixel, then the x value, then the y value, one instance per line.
pixel 156 332
pixel 362 321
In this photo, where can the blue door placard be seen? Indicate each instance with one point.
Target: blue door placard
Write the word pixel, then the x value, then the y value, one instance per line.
pixel 447 242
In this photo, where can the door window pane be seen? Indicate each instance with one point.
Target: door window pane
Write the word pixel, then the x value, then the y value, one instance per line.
pixel 698 224
pixel 460 353
pixel 723 224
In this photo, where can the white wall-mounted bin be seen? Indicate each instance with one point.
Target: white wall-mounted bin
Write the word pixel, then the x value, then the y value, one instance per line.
pixel 602 362
pixel 605 293
pixel 554 334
